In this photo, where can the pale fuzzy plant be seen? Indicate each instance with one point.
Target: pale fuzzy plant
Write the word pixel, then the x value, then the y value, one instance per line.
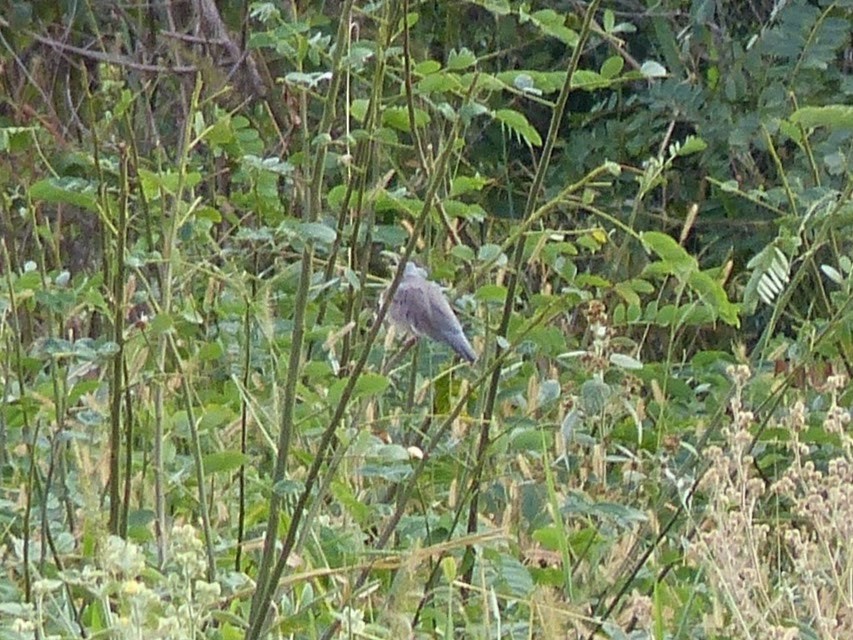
pixel 137 603
pixel 762 590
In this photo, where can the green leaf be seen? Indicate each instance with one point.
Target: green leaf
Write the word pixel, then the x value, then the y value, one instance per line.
pixel 589 80
pixel 518 124
pixel 713 295
pixel 691 144
pixel 491 293
pixel 458 209
pixel 492 253
pixel 74 191
pixel 462 59
pixel 833 116
pixel 308 80
pixel 669 250
pixel 358 108
pixel 627 293
pixel 370 384
pixel 612 67
pixel 426 67
pixel 398 118
pixel 497 7
pixel 651 69
pixel 624 361
pixel 318 232
pixel 440 82
pixel 553 24
pixel 594 396
pixel 224 461
pixel 465 184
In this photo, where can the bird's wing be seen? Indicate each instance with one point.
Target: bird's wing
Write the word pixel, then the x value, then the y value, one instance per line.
pixel 420 307
pixel 409 306
pixel 438 320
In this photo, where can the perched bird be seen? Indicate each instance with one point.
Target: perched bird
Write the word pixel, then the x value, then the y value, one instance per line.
pixel 419 307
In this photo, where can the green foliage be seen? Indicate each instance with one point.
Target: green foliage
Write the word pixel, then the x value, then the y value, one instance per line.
pixel 205 424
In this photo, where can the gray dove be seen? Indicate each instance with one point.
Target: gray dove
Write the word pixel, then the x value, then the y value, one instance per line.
pixel 419 307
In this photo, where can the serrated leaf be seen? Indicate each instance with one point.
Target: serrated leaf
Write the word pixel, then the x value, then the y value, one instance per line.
pixel 518 124
pixel 462 59
pixel 691 145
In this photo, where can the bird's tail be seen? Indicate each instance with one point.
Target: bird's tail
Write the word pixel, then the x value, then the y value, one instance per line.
pixel 459 343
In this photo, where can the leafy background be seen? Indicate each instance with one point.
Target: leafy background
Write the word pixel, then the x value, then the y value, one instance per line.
pixel 641 216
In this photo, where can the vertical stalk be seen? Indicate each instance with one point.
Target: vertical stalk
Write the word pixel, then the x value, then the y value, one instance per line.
pixel 467 568
pixel 117 363
pixel 167 269
pixel 29 435
pixel 260 602
pixel 264 592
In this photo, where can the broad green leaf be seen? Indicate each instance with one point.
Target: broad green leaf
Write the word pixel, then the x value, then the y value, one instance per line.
pixel 358 108
pixel 492 253
pixel 16 138
pixel 465 184
pixel 224 461
pixel 491 293
pixel 458 209
pixel 612 67
pixel 549 391
pixel 398 118
pixel 440 82
pixel 511 575
pixel 427 67
pixel 589 80
pixel 627 293
pixel 370 384
pixel 318 232
pixel 833 116
pixel 691 145
pixel 74 191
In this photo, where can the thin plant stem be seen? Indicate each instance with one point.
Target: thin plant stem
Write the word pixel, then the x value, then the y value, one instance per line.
pixel 513 280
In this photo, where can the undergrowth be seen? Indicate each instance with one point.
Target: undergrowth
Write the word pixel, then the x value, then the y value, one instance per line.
pixel 208 430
